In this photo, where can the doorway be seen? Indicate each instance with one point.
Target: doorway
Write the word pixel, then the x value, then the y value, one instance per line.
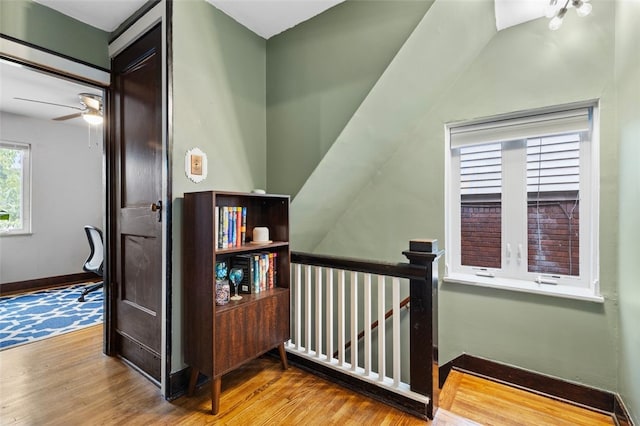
pixel 102 79
pixel 62 170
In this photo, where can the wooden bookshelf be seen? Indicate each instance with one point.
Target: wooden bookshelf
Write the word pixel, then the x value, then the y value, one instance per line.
pixel 219 339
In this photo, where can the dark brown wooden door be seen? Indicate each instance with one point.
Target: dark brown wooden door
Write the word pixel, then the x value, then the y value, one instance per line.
pixel 137 113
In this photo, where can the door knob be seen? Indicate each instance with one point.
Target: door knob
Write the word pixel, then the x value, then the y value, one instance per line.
pixel 157 207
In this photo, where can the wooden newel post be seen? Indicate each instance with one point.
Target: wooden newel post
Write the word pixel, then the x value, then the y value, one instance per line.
pixel 423 317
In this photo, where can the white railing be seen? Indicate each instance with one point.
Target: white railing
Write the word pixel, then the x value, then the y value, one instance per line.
pixel 348 319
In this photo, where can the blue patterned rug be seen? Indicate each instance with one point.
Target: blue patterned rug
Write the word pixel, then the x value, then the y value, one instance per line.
pixel 40 314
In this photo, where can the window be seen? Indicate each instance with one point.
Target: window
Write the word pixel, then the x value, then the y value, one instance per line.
pixel 15 188
pixel 521 202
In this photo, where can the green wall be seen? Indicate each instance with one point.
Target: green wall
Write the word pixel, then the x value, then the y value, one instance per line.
pixel 319 72
pixel 628 85
pixel 525 67
pixel 335 83
pixel 390 157
pixel 44 27
pixel 219 92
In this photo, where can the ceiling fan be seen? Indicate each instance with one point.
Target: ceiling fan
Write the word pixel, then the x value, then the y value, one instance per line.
pixel 90 109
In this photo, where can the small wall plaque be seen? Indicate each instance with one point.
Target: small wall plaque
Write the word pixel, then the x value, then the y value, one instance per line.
pixel 195 165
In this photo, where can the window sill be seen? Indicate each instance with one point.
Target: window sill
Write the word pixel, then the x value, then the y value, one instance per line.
pixel 566 292
pixel 15 234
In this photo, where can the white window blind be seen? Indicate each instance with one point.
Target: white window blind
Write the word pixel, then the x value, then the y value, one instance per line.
pixel 481 169
pixel 553 163
pixel 509 129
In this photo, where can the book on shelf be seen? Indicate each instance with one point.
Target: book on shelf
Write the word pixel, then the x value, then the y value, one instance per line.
pixel 259 271
pixel 232 226
pixel 224 218
pixel 245 262
pixel 272 269
pixel 217 228
pixel 238 222
pixel 243 225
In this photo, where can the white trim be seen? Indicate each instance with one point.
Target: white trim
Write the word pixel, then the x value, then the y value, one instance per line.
pixel 563 291
pixel 450 192
pixel 40 58
pixel 188 162
pixel 512 273
pixel 26 185
pixel 359 373
pixel 594 226
pixel 141 26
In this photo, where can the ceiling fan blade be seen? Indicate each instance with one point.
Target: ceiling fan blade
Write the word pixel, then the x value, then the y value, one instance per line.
pixel 47 103
pixel 68 117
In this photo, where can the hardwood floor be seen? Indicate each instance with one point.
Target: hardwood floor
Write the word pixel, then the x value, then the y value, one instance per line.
pixel 67 380
pixel 490 403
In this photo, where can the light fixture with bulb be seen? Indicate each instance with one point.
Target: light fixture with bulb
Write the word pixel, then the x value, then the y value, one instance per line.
pixel 92 116
pixel 583 8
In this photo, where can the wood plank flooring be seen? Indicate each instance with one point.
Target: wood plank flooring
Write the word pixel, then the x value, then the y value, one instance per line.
pixel 67 380
pixel 490 403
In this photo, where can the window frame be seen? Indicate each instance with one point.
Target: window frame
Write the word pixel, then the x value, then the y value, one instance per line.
pixel 510 277
pixel 26 188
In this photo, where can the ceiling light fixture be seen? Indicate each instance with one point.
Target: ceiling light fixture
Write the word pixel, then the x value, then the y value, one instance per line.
pixel 583 8
pixel 92 116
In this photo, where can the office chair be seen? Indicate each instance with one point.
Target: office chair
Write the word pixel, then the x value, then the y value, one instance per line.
pixel 95 260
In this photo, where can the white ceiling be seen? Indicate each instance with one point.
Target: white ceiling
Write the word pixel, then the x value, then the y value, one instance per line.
pixel 264 17
pixel 24 82
pixel 270 17
pixel 513 12
pixel 103 14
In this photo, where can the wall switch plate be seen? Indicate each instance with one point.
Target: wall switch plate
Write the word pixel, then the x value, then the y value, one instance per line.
pixel 196 164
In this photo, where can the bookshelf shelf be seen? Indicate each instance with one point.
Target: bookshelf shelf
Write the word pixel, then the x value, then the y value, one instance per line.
pixel 247 248
pixel 248 299
pixel 219 339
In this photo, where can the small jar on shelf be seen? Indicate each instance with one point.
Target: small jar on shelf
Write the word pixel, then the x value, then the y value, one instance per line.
pixel 222 284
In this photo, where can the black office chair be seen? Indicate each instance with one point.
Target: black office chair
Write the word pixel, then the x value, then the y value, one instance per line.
pixel 95 260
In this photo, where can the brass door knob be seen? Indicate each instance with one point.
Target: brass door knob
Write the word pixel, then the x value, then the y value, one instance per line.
pixel 157 207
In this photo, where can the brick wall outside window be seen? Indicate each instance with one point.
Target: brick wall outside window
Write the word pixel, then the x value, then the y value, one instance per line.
pixel 557 253
pixel 481 234
pixel 559 249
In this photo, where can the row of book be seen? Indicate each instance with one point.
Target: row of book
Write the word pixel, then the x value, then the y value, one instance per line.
pixel 232 226
pixel 259 271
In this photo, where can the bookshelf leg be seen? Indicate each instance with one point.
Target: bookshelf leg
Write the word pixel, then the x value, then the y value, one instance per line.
pixel 193 379
pixel 215 395
pixel 283 356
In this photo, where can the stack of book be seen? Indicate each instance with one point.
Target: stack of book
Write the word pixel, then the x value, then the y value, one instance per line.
pixel 232 226
pixel 259 271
